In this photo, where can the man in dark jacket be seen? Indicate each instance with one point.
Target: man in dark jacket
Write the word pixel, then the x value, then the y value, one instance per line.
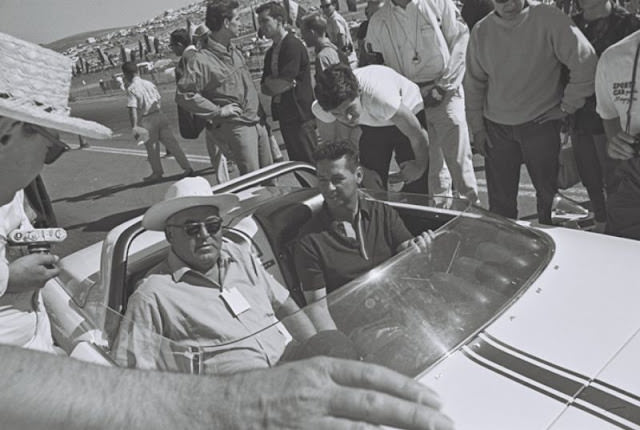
pixel 287 79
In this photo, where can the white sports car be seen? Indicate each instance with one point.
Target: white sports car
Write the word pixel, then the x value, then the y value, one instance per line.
pixel 515 326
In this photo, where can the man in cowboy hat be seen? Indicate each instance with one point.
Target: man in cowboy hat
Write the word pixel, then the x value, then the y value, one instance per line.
pixel 210 293
pixel 41 391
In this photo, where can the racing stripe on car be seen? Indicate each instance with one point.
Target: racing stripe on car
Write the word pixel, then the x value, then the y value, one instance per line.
pixel 599 399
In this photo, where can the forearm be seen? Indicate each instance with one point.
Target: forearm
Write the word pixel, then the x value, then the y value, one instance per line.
pixel 41 391
pixel 611 127
pixel 575 51
pixel 455 68
pixel 318 310
pixel 133 117
pixel 296 321
pixel 197 104
pixel 275 86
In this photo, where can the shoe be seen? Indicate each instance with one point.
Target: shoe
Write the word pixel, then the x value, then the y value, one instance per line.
pixel 152 177
pixel 167 155
pixel 189 172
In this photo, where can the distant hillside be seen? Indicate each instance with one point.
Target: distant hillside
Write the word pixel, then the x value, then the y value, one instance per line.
pixel 66 43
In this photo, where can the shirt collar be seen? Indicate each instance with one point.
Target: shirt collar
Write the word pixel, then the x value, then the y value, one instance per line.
pixel 178 268
pixel 218 47
pixel 364 209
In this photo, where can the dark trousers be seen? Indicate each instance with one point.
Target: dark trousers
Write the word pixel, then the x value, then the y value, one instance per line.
pixel 535 145
pixel 376 149
pixel 300 139
pixel 623 203
pixel 594 167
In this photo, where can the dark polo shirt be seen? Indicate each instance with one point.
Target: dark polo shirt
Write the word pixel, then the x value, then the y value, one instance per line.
pixel 326 257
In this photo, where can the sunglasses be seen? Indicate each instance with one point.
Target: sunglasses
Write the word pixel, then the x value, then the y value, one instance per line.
pixel 325 6
pixel 57 147
pixel 193 229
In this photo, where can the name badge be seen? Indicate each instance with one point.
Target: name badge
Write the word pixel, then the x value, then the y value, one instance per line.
pixel 235 300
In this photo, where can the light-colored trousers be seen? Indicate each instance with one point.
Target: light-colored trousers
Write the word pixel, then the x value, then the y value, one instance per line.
pixel 157 125
pixel 449 149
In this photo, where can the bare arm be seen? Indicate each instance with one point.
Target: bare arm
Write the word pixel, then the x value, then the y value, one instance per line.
pixel 318 310
pixel 42 391
pixel 409 125
pixel 133 116
pixel 296 321
pixel 620 145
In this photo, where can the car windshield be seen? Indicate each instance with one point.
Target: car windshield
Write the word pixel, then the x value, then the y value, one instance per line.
pixel 418 307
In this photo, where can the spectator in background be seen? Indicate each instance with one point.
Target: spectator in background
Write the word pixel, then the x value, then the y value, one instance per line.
pixel 191 125
pixel 338 31
pixel 474 10
pixel 617 104
pixel 603 23
pixel 314 29
pixel 218 86
pixel 363 59
pixel 424 41
pixel 516 98
pixel 148 122
pixel 287 79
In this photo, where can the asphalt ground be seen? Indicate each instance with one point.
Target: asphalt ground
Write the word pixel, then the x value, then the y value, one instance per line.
pixel 94 189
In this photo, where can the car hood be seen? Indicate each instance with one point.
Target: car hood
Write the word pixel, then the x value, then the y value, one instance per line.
pixel 564 355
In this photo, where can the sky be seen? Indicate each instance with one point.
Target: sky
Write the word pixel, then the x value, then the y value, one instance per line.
pixel 44 21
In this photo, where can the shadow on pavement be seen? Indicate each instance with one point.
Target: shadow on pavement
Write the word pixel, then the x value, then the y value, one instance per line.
pixel 108 222
pixel 113 189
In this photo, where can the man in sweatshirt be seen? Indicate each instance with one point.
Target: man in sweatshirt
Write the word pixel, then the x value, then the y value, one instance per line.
pixel 515 98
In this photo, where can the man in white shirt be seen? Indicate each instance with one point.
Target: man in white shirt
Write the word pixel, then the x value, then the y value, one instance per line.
pixel 338 31
pixel 387 107
pixel 617 77
pixel 148 122
pixel 425 41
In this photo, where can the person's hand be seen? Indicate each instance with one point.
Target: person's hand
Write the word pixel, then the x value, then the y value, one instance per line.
pixel 622 146
pixel 481 142
pixel 230 110
pixel 421 242
pixel 325 393
pixel 432 96
pixel 552 114
pixel 411 171
pixel 31 272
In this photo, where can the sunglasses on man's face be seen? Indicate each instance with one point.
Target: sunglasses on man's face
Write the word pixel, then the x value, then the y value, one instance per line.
pixel 193 229
pixel 56 148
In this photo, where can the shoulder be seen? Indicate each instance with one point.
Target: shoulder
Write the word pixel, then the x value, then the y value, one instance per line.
pixel 151 288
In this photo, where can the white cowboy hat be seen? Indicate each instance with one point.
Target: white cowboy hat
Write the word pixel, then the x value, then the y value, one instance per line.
pixel 184 194
pixel 34 88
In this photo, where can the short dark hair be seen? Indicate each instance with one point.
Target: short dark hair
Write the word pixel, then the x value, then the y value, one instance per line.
pixel 314 21
pixel 335 85
pixel 336 150
pixel 180 36
pixel 129 68
pixel 218 11
pixel 274 9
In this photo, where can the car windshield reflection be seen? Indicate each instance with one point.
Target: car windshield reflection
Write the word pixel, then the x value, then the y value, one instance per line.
pixel 417 307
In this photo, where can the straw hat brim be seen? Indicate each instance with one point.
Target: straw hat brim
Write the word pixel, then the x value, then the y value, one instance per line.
pixel 22 112
pixel 157 215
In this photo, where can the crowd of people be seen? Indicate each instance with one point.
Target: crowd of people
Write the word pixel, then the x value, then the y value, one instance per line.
pixel 421 87
pixel 465 91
